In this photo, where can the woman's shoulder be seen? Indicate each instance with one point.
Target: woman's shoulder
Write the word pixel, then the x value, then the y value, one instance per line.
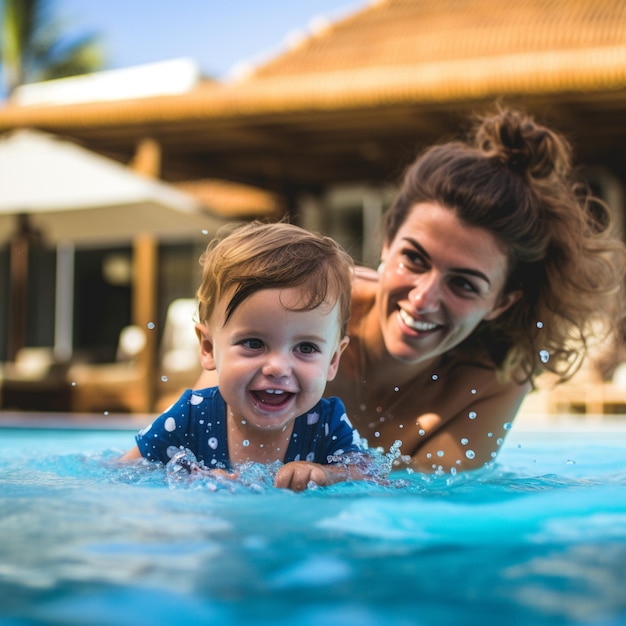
pixel 364 287
pixel 477 370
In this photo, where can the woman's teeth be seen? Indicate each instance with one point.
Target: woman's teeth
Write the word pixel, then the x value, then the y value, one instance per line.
pixel 414 324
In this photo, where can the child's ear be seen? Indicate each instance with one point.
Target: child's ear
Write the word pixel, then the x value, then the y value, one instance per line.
pixel 207 358
pixel 334 361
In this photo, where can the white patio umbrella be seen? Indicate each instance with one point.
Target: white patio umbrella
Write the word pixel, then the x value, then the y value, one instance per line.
pixel 76 195
pixel 73 196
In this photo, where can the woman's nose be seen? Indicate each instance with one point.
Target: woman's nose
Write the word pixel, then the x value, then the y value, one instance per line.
pixel 425 297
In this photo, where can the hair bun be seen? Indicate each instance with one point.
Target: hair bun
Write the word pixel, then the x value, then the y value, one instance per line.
pixel 522 145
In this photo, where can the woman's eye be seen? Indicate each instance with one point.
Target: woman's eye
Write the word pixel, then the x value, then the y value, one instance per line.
pixel 252 344
pixel 413 259
pixel 465 285
pixel 308 348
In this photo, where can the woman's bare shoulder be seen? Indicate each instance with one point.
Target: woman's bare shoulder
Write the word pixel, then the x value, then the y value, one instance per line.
pixel 367 274
pixel 365 283
pixel 364 289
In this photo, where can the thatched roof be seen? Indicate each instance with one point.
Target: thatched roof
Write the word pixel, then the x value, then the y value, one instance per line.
pixel 354 99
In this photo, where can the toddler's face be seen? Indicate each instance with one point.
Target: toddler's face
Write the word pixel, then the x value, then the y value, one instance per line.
pixel 273 363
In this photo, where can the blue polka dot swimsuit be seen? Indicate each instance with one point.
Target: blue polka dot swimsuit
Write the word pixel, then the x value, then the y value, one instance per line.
pixel 197 422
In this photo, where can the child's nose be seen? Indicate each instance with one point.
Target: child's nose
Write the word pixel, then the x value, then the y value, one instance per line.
pixel 277 366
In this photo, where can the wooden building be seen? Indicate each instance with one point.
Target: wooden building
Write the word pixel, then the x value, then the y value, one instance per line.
pixel 328 126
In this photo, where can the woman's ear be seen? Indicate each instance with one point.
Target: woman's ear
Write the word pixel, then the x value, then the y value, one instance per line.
pixel 507 300
pixel 207 358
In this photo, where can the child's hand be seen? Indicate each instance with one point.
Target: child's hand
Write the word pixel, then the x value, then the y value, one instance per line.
pixel 296 475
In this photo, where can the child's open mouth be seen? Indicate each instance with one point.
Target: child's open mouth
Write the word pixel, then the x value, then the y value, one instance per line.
pixel 274 398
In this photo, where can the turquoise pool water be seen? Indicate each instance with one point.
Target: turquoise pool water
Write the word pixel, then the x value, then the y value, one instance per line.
pixel 538 539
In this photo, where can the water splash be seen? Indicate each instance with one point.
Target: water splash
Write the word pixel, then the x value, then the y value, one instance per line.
pixel 184 470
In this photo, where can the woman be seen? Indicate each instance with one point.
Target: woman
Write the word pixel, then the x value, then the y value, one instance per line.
pixel 493 266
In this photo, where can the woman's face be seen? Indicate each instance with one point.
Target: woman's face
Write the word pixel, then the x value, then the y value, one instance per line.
pixel 439 280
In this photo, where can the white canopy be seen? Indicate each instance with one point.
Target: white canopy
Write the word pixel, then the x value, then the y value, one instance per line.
pixel 76 195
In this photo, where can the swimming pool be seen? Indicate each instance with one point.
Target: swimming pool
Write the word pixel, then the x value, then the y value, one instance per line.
pixel 540 538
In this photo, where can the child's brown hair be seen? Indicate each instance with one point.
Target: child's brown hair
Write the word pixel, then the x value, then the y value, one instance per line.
pixel 259 256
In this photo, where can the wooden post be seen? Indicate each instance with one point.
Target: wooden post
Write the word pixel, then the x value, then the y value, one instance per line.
pixel 147 162
pixel 147 159
pixel 18 300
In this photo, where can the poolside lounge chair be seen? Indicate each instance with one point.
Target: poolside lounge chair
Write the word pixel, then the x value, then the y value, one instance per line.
pixel 113 387
pixel 35 381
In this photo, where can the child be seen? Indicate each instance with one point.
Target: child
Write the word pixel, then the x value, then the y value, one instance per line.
pixel 273 308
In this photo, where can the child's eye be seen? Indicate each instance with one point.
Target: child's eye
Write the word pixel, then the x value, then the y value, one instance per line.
pixel 252 344
pixel 308 348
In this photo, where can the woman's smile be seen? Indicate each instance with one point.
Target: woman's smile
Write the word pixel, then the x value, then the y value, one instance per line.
pixel 417 325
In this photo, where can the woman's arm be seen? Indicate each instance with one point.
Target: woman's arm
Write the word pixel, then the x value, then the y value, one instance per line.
pixel 473 436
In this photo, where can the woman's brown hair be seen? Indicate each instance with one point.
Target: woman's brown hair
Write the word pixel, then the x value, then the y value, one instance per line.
pixel 514 178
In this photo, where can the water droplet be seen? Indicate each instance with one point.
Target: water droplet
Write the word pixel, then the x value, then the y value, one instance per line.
pixel 472 415
pixel 500 441
pixel 493 455
pixel 507 426
pixel 106 412
pixel 151 325
pixel 429 455
pixel 464 441
pixel 470 454
pixel 544 355
pixel 453 471
pixel 539 324
pixel 473 391
pixel 73 383
pixel 421 432
pixel 245 443
pixel 164 379
pixel 205 231
pixel 376 434
pixel 489 434
pixel 362 407
pixel 396 388
pixel 435 377
pixel 570 462
pixel 440 453
pixel 400 425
